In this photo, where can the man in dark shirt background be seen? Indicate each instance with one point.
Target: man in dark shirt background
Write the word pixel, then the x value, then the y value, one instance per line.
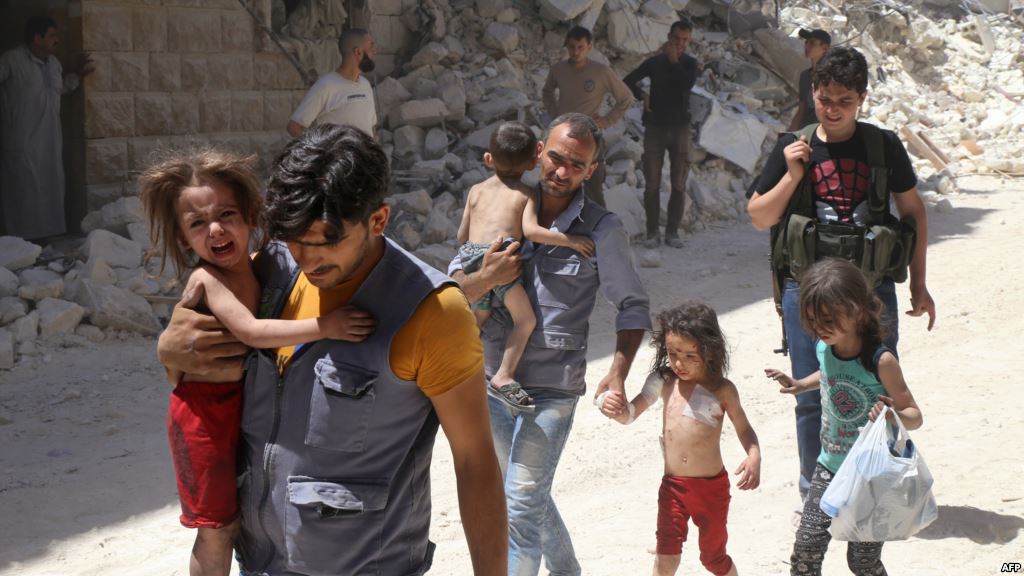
pixel 816 43
pixel 666 128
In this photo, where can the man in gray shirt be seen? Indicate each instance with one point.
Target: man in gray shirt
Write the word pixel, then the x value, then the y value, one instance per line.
pixel 562 286
pixel 582 85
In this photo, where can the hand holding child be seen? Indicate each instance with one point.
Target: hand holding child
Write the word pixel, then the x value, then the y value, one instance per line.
pixel 582 244
pixel 348 323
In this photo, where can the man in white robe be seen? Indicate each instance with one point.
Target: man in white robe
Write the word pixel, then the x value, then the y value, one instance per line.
pixel 31 159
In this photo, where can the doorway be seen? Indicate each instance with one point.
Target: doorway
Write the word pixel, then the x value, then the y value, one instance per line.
pixel 68 16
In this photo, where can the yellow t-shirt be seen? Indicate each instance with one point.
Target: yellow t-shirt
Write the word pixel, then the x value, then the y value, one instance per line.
pixel 439 347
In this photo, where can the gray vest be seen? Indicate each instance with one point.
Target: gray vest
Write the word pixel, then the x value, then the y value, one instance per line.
pixel 337 450
pixel 562 286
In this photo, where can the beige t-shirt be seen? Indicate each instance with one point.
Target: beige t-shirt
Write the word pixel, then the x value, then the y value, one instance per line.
pixel 335 99
pixel 583 90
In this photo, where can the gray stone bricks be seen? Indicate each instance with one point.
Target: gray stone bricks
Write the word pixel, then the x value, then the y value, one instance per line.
pixel 109 114
pixel 106 27
pixel 149 29
pixel 105 160
pixel 164 72
pixel 193 31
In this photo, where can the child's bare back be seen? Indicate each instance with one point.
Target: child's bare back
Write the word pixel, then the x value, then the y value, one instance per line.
pixel 692 432
pixel 495 209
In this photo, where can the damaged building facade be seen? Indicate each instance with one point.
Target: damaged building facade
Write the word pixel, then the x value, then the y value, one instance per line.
pixel 229 73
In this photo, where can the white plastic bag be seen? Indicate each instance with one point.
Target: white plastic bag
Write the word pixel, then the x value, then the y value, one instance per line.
pixel 883 490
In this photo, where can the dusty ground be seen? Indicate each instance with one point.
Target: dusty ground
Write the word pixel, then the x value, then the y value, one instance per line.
pixel 86 485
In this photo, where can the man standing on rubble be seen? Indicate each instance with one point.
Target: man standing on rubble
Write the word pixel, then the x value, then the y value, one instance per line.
pixel 582 85
pixel 816 43
pixel 666 118
pixel 344 95
pixel 32 168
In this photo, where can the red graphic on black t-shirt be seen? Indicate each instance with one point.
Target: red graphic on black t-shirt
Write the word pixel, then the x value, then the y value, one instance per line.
pixel 842 184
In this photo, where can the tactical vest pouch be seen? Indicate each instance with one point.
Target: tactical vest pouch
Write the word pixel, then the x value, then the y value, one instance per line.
pixel 797 244
pixel 888 250
pixel 841 241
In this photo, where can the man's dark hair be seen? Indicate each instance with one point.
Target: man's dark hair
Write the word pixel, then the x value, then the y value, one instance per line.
pixel 349 39
pixel 682 24
pixel 513 146
pixel 581 127
pixel 330 174
pixel 579 33
pixel 842 66
pixel 38 26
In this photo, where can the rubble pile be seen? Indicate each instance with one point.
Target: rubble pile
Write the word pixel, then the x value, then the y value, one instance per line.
pixel 950 80
pixel 87 291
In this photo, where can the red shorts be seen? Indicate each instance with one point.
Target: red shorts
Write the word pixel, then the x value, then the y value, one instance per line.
pixel 706 500
pixel 203 426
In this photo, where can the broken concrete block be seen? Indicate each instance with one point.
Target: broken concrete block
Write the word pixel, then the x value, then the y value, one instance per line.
pixel 507 16
pixel 624 201
pixel 659 10
pixel 432 53
pixel 502 103
pixel 625 148
pixel 423 113
pixel 116 215
pixel 409 141
pixel 26 328
pixel 137 281
pixel 435 145
pixel 436 255
pixel 455 50
pixel 117 251
pixel 12 308
pixel 589 17
pixel 734 136
pixel 784 53
pixel 97 270
pixel 435 229
pixel 502 37
pixel 58 317
pixel 489 8
pixel 650 258
pixel 415 202
pixel 8 283
pixel 6 350
pixel 139 233
pixel 407 236
pixel 16 253
pixel 39 283
pixel 390 94
pixel 453 163
pixel 636 34
pixel 90 333
pixel 562 10
pixel 481 137
pixel 113 307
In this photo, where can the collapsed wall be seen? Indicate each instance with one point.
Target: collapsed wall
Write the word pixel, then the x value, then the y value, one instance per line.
pixel 950 80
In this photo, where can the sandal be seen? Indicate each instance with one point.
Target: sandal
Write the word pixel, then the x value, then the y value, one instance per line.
pixel 511 395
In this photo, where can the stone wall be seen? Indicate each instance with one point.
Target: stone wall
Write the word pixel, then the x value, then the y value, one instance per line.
pixel 173 73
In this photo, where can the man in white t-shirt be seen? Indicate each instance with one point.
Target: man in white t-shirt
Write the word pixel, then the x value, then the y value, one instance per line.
pixel 342 96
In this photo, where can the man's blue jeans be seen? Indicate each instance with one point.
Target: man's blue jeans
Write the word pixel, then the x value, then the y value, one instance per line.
pixel 529 446
pixel 804 361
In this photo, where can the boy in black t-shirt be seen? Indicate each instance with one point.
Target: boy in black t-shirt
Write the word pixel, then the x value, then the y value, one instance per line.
pixel 836 158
